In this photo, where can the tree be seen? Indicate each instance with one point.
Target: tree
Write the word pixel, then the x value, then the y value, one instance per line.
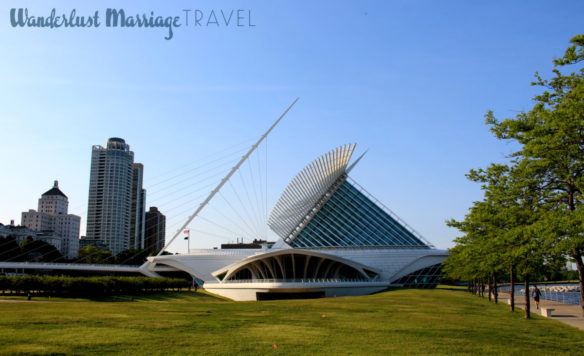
pixel 502 230
pixel 132 257
pixel 9 249
pixel 551 135
pixel 478 255
pixel 39 251
pixel 93 255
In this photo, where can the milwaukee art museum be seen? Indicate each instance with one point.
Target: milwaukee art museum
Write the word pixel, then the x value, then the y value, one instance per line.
pixel 335 239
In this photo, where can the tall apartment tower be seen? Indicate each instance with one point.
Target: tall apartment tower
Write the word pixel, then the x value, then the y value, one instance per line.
pixel 138 208
pixel 109 208
pixel 52 215
pixel 155 229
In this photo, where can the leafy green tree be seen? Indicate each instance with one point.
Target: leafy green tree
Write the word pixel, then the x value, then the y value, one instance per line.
pixel 502 230
pixel 551 135
pixel 132 257
pixel 39 251
pixel 476 255
pixel 9 249
pixel 468 260
pixel 93 255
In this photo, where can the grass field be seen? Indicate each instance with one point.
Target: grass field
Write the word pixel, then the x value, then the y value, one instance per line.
pixel 437 321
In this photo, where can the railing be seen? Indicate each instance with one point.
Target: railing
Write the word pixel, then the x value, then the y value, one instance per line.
pixel 565 297
pixel 367 247
pixel 65 266
pixel 300 280
pixel 223 252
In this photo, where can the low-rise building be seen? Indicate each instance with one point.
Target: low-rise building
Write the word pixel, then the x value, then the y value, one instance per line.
pixel 21 233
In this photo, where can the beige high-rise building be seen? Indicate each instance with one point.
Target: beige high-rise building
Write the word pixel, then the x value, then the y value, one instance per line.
pixel 115 209
pixel 110 195
pixel 52 215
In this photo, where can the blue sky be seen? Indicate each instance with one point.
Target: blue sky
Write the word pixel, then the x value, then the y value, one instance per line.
pixel 408 80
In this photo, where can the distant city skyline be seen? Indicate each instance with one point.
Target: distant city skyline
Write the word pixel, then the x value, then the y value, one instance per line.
pixel 410 81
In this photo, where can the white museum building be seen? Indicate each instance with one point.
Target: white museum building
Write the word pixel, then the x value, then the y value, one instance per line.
pixel 335 239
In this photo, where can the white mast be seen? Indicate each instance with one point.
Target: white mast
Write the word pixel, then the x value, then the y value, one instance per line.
pixel 224 180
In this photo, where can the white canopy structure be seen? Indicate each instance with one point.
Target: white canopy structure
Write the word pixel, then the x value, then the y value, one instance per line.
pixel 337 240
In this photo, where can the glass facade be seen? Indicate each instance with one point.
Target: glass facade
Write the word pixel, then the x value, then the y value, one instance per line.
pixel 423 278
pixel 351 219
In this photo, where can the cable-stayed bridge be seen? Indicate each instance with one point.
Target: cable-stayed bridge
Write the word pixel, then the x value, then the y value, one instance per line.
pixel 242 212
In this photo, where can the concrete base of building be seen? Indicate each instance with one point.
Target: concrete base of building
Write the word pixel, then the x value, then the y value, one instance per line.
pixel 287 290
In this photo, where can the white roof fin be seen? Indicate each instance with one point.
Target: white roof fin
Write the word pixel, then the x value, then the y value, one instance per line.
pixel 357 160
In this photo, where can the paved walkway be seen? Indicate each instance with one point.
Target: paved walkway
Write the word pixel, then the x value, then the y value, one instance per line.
pixel 566 313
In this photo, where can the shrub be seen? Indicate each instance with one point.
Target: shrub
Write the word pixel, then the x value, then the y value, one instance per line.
pixel 88 286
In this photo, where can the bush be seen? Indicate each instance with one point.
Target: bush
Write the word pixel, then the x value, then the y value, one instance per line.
pixel 88 286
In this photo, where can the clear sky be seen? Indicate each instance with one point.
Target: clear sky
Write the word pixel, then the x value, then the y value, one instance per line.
pixel 408 80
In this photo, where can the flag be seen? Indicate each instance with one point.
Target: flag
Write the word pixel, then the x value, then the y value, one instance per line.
pixel 187 232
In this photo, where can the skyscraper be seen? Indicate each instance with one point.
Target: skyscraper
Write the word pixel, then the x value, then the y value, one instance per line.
pixel 138 208
pixel 155 229
pixel 52 215
pixel 109 208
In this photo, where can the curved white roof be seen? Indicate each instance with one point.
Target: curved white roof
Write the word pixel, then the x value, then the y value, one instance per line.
pixel 307 188
pixel 232 269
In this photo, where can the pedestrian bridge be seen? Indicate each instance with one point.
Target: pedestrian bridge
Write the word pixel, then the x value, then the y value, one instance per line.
pixel 19 267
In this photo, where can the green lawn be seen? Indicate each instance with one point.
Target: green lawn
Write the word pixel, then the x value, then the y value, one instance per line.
pixel 440 321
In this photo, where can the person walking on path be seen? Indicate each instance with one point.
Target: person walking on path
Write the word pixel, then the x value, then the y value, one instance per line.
pixel 536 295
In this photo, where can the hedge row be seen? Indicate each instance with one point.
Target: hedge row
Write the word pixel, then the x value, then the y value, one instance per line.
pixel 87 286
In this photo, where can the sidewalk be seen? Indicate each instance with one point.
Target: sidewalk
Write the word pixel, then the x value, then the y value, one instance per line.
pixel 566 313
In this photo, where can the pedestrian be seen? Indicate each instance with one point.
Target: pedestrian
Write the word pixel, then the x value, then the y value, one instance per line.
pixel 536 294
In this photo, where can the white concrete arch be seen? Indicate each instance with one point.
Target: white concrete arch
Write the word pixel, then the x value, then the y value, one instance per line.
pixel 325 265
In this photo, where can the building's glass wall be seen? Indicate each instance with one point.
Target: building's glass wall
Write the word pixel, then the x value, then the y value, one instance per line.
pixel 423 278
pixel 350 219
